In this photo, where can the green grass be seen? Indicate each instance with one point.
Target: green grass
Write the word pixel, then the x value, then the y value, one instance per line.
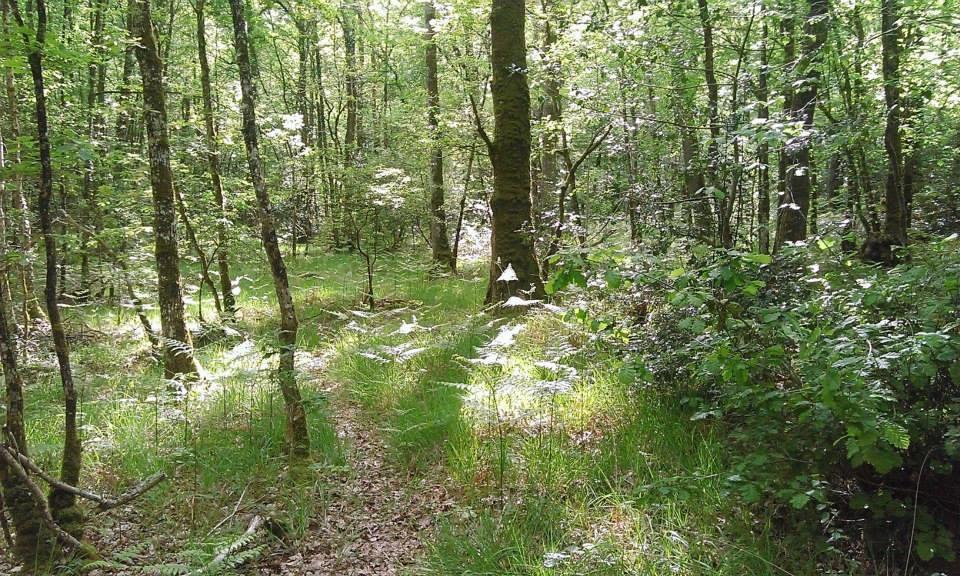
pixel 589 477
pixel 556 468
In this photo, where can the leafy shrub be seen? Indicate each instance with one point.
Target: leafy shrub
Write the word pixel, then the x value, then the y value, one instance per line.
pixel 836 380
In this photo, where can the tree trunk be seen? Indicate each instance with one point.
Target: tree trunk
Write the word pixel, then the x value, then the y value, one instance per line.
pixel 213 166
pixel 95 72
pixel 297 436
pixel 16 496
pixel 763 150
pixel 62 504
pixel 439 241
pixel 31 304
pixel 511 240
pixel 348 20
pixel 894 225
pixel 795 205
pixel 178 357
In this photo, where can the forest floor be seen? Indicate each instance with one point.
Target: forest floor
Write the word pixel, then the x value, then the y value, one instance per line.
pixel 376 518
pixel 446 440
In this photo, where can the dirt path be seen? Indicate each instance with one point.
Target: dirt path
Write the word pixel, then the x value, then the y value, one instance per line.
pixel 375 519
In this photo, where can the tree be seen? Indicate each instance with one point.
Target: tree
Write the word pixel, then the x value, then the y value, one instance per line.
pixel 297 436
pixel 62 502
pixel 795 205
pixel 439 241
pixel 895 223
pixel 178 357
pixel 511 240
pixel 213 164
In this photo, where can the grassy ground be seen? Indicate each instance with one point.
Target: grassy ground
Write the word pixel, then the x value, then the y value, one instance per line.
pixel 556 465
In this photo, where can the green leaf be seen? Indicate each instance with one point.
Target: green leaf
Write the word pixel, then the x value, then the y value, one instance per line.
pixel 800 500
pixel 758 258
pixel 896 435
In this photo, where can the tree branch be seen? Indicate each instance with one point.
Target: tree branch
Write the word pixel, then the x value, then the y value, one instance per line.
pixel 480 129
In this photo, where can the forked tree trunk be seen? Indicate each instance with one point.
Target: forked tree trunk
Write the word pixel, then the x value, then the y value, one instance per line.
pixel 439 241
pixel 511 240
pixel 213 166
pixel 178 357
pixel 297 437
pixel 62 503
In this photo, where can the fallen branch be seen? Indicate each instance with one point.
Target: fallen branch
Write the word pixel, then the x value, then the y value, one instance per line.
pixel 104 502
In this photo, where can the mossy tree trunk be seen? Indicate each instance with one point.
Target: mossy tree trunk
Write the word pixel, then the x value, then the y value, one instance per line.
pixel 297 436
pixel 439 241
pixel 178 360
pixel 62 503
pixel 511 239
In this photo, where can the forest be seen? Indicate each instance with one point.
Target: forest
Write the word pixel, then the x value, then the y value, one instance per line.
pixel 480 287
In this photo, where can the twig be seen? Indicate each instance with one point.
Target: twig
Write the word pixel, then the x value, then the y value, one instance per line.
pixel 480 129
pixel 104 502
pixel 235 510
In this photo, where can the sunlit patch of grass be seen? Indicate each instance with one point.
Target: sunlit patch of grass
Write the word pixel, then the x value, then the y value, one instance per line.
pixel 567 470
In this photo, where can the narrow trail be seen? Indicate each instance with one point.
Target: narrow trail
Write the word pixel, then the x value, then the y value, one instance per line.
pixel 375 519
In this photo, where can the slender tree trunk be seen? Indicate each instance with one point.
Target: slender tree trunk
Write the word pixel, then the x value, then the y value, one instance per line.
pixel 201 255
pixel 713 114
pixel 511 240
pixel 94 120
pixel 178 359
pixel 62 503
pixel 213 166
pixel 31 304
pixel 894 225
pixel 794 207
pixel 439 241
pixel 297 436
pixel 16 496
pixel 348 20
pixel 763 150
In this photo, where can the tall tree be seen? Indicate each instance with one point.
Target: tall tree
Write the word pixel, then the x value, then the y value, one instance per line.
pixel 297 436
pixel 763 149
pixel 439 241
pixel 178 359
pixel 213 165
pixel 62 502
pixel 895 222
pixel 794 206
pixel 31 304
pixel 511 239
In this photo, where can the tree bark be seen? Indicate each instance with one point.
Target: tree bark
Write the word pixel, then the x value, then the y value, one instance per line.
pixel 16 497
pixel 31 304
pixel 763 150
pixel 511 240
pixel 795 205
pixel 178 359
pixel 213 166
pixel 439 241
pixel 894 225
pixel 297 436
pixel 62 504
